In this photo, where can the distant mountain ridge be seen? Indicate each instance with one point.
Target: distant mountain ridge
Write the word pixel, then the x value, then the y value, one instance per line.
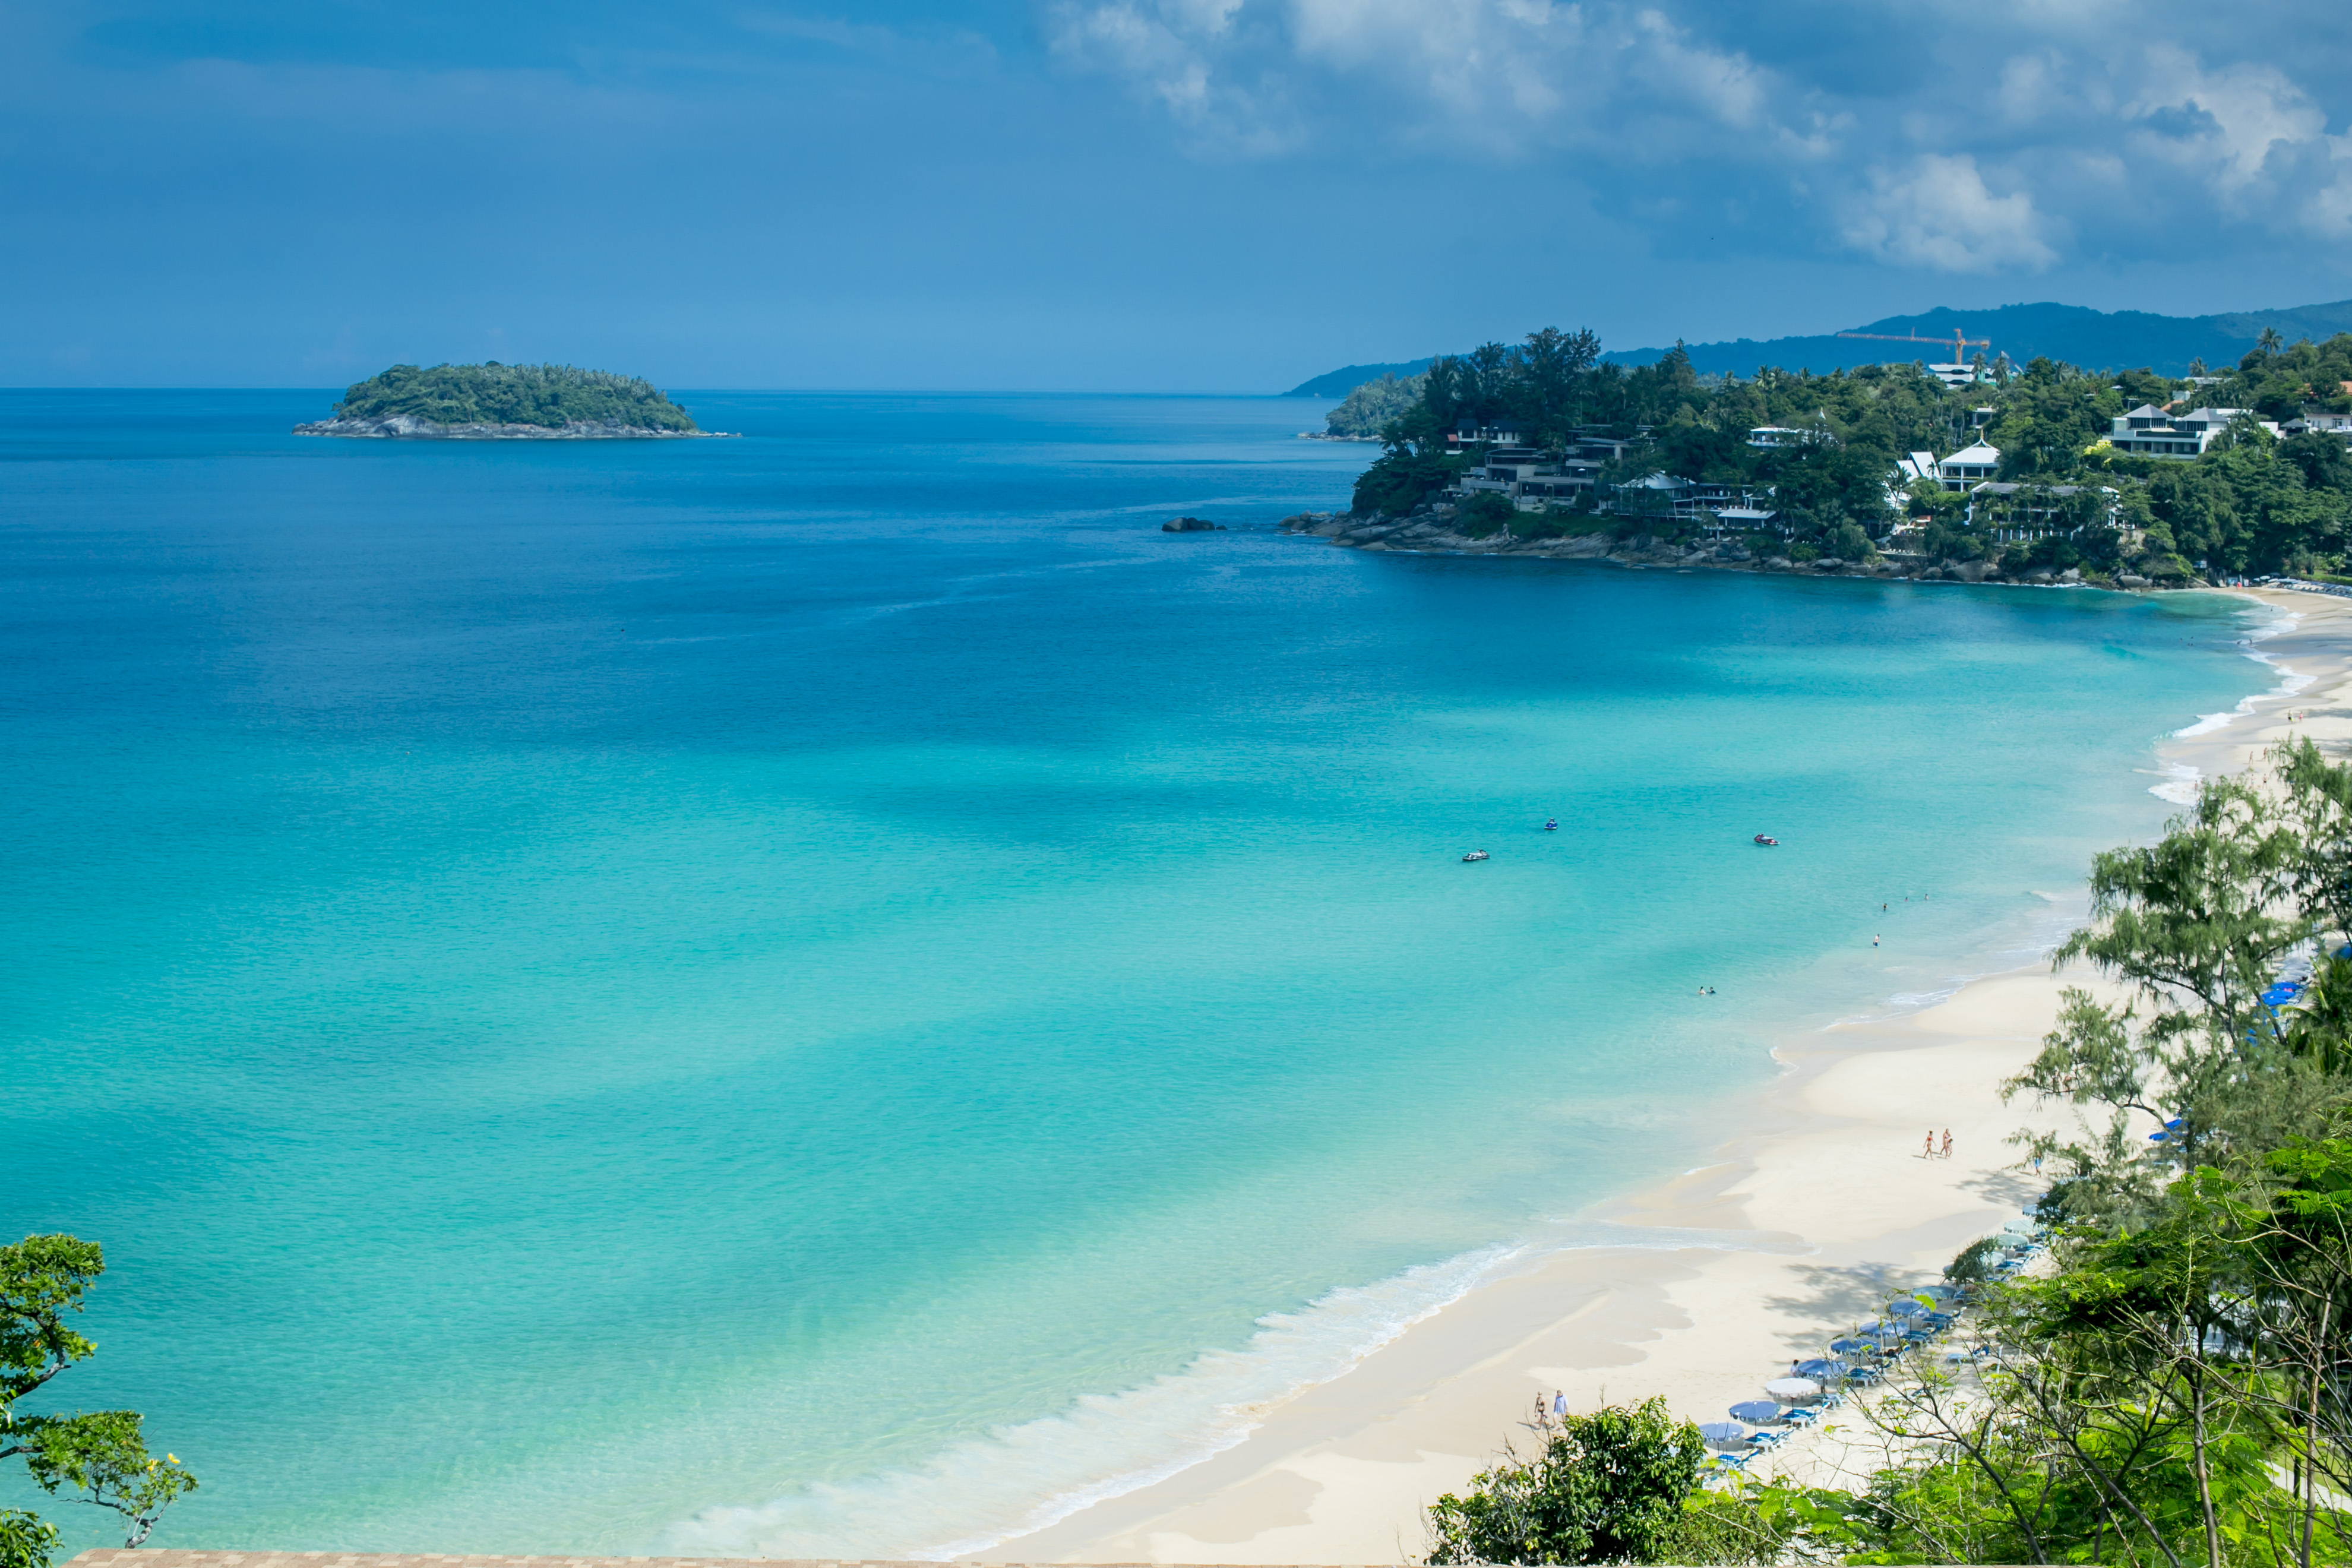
pixel 2106 340
pixel 1341 381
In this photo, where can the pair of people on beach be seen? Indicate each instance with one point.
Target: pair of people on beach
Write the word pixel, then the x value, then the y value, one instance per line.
pixel 1927 1149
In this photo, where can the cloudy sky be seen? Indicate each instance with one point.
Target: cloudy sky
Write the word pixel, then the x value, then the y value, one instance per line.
pixel 1213 195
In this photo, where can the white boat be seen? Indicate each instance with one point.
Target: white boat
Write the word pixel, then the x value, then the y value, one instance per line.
pixel 1476 855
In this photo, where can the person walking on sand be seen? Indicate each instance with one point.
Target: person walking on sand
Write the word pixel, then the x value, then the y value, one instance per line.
pixel 1927 1149
pixel 1559 1402
pixel 1948 1142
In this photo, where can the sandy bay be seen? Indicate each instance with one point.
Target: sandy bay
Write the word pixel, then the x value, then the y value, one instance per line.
pixel 1799 1225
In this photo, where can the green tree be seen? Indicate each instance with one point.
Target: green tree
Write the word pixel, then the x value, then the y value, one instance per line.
pixel 99 1454
pixel 1609 1487
pixel 27 1540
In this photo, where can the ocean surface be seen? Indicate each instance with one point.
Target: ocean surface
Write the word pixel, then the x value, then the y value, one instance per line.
pixel 840 992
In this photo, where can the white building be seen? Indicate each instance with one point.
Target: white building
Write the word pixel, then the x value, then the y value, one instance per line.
pixel 1969 466
pixel 2148 431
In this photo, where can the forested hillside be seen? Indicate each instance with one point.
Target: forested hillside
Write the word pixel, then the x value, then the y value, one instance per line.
pixel 550 396
pixel 2253 503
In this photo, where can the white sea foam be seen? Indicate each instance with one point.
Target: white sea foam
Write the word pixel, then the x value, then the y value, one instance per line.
pixel 983 1491
pixel 2179 785
pixel 2290 684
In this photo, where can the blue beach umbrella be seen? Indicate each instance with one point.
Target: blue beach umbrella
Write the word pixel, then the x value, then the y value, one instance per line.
pixel 1818 1368
pixel 1904 1308
pixel 2280 995
pixel 1850 1344
pixel 1757 1410
pixel 1723 1434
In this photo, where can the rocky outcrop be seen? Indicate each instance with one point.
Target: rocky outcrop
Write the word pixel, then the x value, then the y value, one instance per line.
pixel 1432 529
pixel 1190 525
pixel 407 427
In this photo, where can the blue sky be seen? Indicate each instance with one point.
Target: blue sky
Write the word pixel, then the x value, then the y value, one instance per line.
pixel 1210 194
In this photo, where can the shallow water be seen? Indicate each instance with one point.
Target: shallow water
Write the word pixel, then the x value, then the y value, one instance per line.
pixel 820 993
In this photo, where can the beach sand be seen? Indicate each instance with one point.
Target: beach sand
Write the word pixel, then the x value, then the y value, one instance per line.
pixel 1796 1230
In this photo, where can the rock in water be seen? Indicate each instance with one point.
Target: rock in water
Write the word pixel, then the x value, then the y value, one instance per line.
pixel 1192 525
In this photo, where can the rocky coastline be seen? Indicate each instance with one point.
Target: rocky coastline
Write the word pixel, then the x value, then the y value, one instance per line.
pixel 1434 530
pixel 408 428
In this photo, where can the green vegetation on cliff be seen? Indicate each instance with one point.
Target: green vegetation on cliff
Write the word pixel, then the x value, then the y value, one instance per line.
pixel 551 395
pixel 1371 407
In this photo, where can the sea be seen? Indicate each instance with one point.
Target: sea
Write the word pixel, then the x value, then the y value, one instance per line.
pixel 842 993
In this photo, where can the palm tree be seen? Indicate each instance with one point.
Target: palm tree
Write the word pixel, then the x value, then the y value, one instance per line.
pixel 2270 341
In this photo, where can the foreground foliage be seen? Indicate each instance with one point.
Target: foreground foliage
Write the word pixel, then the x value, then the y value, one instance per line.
pixel 98 1457
pixel 550 396
pixel 2177 1391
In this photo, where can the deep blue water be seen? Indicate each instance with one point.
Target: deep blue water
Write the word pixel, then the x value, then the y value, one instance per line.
pixel 779 994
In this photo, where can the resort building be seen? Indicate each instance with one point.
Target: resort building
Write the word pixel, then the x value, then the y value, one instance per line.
pixel 1969 466
pixel 1492 433
pixel 1768 436
pixel 1532 477
pixel 2010 512
pixel 2149 432
pixel 2314 422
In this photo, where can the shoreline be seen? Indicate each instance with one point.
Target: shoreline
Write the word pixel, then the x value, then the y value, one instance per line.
pixel 1794 1227
pixel 1421 534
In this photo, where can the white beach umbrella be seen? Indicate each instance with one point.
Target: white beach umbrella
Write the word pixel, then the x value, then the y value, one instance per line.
pixel 1793 1390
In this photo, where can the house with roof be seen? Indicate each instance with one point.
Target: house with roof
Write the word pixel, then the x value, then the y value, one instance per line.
pixel 2013 512
pixel 1495 431
pixel 2320 422
pixel 1969 466
pixel 2148 431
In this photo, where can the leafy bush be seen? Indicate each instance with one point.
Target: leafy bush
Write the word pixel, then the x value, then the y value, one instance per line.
pixel 1369 409
pixel 550 396
pixel 1976 1260
pixel 27 1540
pixel 1483 512
pixel 1607 1488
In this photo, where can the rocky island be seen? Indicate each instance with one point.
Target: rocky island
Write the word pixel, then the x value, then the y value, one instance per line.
pixel 496 402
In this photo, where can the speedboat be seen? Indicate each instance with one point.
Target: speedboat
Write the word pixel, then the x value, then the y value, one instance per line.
pixel 1552 825
pixel 1767 840
pixel 1476 855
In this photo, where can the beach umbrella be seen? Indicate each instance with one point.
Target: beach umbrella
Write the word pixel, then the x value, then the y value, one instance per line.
pixel 1723 1434
pixel 1904 1308
pixel 2280 995
pixel 1759 1410
pixel 2020 1227
pixel 1817 1368
pixel 1793 1390
pixel 1848 1345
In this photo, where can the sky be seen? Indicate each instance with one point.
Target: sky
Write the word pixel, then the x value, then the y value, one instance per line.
pixel 1123 194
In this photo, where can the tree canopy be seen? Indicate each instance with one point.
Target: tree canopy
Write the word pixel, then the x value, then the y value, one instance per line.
pixel 2252 503
pixel 550 396
pixel 101 1457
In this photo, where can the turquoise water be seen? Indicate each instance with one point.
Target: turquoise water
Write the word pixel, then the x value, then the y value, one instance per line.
pixel 839 992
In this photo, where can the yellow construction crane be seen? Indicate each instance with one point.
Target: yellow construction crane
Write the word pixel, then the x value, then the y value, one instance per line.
pixel 1959 346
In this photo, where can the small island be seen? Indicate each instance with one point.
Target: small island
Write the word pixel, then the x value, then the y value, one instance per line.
pixel 496 402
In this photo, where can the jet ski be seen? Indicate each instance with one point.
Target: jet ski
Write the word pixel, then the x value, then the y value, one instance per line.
pixel 1476 855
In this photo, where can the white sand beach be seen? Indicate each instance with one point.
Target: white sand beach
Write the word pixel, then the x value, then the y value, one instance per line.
pixel 1799 1227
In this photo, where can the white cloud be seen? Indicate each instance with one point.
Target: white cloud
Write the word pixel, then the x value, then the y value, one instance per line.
pixel 1938 213
pixel 1911 142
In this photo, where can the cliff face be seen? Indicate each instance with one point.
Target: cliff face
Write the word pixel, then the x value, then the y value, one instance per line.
pixel 408 427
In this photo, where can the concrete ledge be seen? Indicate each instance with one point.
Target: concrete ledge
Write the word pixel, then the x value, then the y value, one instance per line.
pixel 151 1557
